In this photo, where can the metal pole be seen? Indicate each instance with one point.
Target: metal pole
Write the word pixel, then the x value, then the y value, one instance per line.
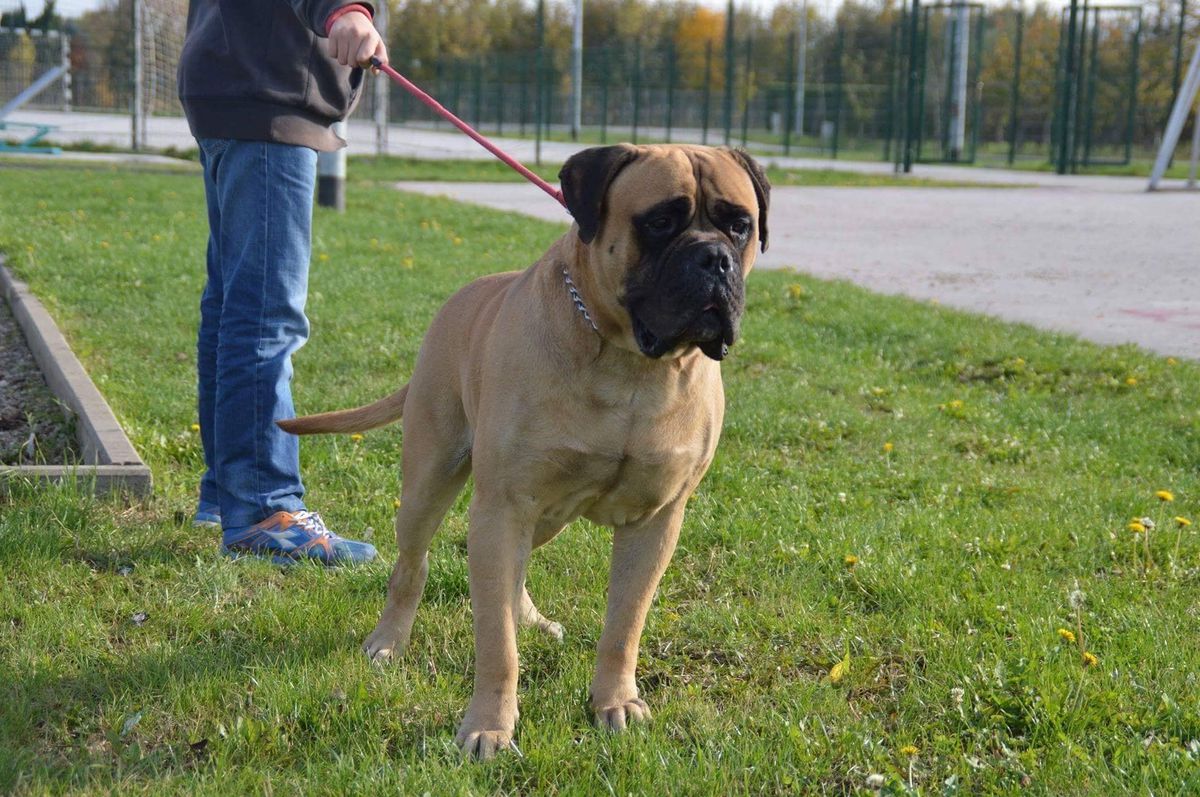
pixel 1191 181
pixel 331 175
pixel 1066 130
pixel 749 86
pixel 790 117
pixel 801 69
pixel 729 55
pixel 1090 97
pixel 65 41
pixel 707 87
pixel 958 95
pixel 1016 88
pixel 577 72
pixel 837 97
pixel 137 114
pixel 670 88
pixel 541 43
pixel 911 89
pixel 637 87
pixel 499 84
pixel 381 88
pixel 604 96
pixel 1179 113
pixel 1178 50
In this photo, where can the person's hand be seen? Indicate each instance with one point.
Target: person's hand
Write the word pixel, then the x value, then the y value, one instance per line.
pixel 353 40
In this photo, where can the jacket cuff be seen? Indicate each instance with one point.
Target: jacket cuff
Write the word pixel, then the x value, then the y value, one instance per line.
pixel 334 15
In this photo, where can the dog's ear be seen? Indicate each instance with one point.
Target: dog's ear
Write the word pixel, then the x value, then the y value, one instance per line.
pixel 762 189
pixel 585 179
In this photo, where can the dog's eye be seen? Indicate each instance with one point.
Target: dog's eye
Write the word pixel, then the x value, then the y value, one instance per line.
pixel 660 223
pixel 739 227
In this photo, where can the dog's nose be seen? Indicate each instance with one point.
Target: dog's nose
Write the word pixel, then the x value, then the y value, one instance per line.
pixel 717 259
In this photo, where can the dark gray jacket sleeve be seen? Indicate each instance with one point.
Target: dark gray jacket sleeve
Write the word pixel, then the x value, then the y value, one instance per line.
pixel 313 13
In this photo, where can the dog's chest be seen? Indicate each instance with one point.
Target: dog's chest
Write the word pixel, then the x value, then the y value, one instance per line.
pixel 622 467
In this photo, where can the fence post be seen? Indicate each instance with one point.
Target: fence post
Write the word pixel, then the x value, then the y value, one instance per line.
pixel 749 87
pixel 670 88
pixel 499 83
pixel 1178 51
pixel 138 110
pixel 380 89
pixel 1015 94
pixel 525 79
pixel 707 88
pixel 577 72
pixel 729 56
pixel 65 42
pixel 637 87
pixel 977 83
pixel 539 77
pixel 793 42
pixel 604 70
pixel 1066 130
pixel 837 101
pixel 910 94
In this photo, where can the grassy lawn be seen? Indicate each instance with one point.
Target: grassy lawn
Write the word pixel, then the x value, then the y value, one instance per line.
pixel 493 171
pixel 871 579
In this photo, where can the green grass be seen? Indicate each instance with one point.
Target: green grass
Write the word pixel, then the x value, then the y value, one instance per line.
pixel 1018 459
pixel 493 171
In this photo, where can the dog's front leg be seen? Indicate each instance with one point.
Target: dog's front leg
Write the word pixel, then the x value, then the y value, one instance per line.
pixel 641 553
pixel 498 546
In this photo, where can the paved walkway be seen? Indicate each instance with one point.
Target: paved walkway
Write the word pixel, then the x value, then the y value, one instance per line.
pixel 1095 256
pixel 1115 266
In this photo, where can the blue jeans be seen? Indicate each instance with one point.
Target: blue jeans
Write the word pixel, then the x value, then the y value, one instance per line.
pixel 252 319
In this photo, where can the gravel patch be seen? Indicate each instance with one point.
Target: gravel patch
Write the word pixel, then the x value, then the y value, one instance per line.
pixel 34 430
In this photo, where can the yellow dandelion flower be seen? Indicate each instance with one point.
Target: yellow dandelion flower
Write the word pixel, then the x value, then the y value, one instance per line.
pixel 887 448
pixel 1182 521
pixel 458 241
pixel 322 257
pixel 104 244
pixel 796 291
pixel 1172 361
pixel 396 503
pixel 1089 659
pixel 1131 381
pixel 909 750
pixel 1067 635
pixel 407 262
pixel 195 427
pixel 356 437
pixel 851 560
pixel 1164 495
pixel 955 404
pixel 1136 526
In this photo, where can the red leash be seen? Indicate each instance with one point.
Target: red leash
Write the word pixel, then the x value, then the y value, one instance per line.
pixel 441 111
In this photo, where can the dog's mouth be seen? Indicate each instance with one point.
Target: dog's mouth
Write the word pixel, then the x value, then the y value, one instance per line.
pixel 713 330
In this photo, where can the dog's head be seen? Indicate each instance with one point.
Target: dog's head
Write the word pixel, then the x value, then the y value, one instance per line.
pixel 671 233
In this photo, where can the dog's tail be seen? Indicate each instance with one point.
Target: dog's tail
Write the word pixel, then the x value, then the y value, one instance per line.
pixel 359 419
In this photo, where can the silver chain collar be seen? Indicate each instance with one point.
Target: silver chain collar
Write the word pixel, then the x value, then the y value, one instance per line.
pixel 578 300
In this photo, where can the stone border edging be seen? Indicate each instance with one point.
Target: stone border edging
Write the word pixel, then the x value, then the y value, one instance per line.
pixel 111 464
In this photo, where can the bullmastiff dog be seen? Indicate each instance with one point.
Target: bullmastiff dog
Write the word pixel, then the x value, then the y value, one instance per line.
pixel 587 385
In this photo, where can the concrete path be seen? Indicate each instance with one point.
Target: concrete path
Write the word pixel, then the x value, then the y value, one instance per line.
pixel 1114 266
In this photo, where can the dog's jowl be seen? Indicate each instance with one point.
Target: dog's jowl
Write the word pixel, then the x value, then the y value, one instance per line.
pixel 587 385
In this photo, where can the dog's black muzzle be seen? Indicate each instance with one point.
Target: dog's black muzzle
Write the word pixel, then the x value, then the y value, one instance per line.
pixel 693 295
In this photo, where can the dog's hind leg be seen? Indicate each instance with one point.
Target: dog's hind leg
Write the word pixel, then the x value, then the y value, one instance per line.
pixel 530 616
pixel 434 473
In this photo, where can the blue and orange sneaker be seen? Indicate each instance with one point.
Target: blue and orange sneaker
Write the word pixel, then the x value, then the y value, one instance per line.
pixel 289 537
pixel 207 515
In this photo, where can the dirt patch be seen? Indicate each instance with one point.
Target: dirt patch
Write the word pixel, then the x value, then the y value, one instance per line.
pixel 34 429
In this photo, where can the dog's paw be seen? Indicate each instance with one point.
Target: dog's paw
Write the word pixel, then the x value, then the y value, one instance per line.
pixel 616 718
pixel 482 745
pixel 552 629
pixel 382 646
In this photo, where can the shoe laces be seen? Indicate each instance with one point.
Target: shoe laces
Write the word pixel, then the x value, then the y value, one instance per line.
pixel 312 523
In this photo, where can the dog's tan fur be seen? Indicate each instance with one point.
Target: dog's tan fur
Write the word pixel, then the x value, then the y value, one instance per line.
pixel 556 422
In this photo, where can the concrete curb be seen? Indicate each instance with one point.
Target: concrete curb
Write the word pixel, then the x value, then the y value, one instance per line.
pixel 110 462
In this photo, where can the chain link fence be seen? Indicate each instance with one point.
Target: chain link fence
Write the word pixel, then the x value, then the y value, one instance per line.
pixel 856 99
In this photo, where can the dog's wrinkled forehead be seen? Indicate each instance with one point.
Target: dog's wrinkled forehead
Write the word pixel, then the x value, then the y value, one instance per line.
pixel 621 182
pixel 667 173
